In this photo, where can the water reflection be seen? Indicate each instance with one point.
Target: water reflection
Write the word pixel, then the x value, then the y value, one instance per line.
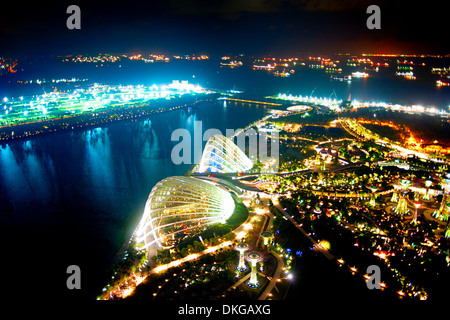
pixel 98 164
pixel 87 189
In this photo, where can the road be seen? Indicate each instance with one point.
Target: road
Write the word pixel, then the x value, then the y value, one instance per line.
pixel 275 277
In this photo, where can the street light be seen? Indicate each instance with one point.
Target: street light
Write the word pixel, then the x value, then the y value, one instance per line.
pixel 267 237
pixel 402 206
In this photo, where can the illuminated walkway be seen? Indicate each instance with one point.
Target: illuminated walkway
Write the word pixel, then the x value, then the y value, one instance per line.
pixel 348 195
pixel 359 131
pixel 190 257
pixel 134 282
pixel 275 277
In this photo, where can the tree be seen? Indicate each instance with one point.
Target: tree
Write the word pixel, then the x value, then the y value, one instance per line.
pixel 229 236
pixel 143 259
pixel 184 252
pixel 198 246
pixel 176 256
pixel 214 241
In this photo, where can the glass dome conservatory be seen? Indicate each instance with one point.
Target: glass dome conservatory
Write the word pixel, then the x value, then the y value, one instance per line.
pixel 179 207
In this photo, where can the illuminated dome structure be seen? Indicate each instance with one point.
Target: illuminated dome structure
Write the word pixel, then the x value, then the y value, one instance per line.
pixel 223 156
pixel 179 207
pixel 402 206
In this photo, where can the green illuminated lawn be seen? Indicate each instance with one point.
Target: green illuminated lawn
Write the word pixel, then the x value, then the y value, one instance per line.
pixel 96 98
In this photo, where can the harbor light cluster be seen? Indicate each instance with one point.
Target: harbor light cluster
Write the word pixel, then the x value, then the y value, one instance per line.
pixel 87 99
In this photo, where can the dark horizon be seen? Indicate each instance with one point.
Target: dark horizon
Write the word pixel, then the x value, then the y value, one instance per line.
pixel 217 28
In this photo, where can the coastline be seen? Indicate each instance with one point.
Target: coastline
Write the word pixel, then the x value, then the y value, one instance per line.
pixel 120 253
pixel 89 120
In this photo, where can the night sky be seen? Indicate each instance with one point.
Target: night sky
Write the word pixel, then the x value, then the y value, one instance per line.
pixel 223 27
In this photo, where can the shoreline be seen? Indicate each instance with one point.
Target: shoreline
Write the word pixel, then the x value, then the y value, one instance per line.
pixel 88 121
pixel 120 253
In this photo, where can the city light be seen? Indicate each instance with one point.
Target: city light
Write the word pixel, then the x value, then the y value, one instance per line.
pixel 357 181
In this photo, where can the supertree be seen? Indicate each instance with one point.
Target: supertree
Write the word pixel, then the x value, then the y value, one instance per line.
pixel 447 226
pixel 395 194
pixel 402 206
pixel 447 229
pixel 267 237
pixel 444 209
pixel 241 247
pixel 318 160
pixel 254 257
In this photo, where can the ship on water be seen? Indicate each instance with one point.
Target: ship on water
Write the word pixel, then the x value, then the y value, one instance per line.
pixel 345 78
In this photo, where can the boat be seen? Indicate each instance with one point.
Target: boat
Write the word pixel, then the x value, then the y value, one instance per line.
pixel 441 83
pixel 358 74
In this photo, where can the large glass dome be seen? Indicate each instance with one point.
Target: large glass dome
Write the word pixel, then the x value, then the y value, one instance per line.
pixel 179 207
